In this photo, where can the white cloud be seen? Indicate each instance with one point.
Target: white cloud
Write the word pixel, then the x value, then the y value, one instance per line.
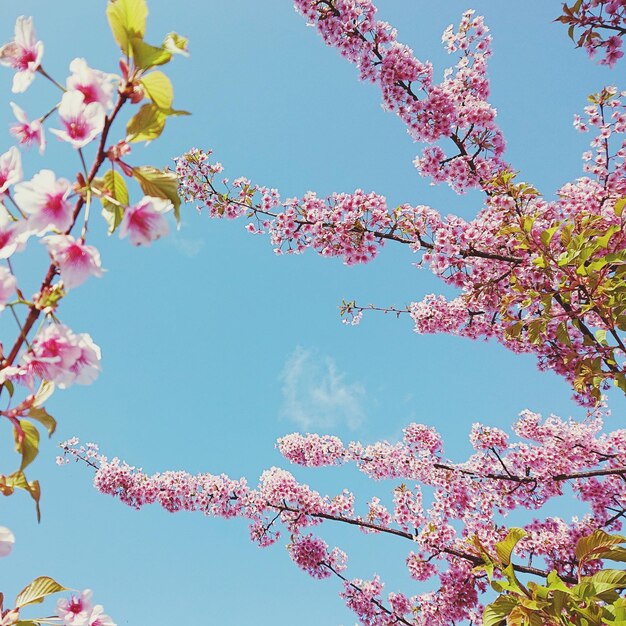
pixel 316 395
pixel 186 245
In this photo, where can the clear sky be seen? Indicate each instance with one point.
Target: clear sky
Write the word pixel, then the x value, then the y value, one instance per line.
pixel 198 331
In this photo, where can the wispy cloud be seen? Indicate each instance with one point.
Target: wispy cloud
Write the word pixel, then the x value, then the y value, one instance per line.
pixel 316 394
pixel 184 244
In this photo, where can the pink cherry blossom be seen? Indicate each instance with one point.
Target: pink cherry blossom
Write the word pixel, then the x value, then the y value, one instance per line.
pixel 45 200
pixel 23 54
pixel 145 222
pixel 10 169
pixel 76 260
pixel 7 539
pixel 82 122
pixel 8 283
pixel 96 86
pixel 76 610
pixel 99 618
pixel 62 357
pixel 27 133
pixel 13 235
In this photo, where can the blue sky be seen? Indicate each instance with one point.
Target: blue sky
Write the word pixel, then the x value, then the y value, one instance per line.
pixel 213 346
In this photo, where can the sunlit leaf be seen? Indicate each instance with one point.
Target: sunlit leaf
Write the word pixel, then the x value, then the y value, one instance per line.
pixel 37 590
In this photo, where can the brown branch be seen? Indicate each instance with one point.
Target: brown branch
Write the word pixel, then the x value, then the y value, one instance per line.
pixel 472 558
pixel 615 471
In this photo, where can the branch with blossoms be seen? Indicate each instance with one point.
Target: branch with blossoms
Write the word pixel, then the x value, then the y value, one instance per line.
pixel 455 109
pixel 597 26
pixel 538 276
pixel 45 354
pixel 451 513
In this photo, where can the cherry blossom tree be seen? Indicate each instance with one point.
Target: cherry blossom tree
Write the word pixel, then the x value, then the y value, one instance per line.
pixel 540 276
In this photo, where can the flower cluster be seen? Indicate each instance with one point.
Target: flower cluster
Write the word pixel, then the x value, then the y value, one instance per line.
pixel 455 109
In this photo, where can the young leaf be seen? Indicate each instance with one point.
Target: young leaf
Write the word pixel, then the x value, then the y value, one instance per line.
pixel 504 548
pixel 598 541
pixel 147 124
pixel 159 89
pixel 496 612
pixel 176 44
pixel 147 56
pixel 127 19
pixel 26 442
pixel 37 591
pixel 160 184
pixel 46 389
pixel 39 414
pixel 113 186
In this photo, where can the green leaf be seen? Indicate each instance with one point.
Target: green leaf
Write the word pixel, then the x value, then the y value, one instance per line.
pixel 174 112
pixel 615 577
pixel 619 207
pixel 496 612
pixel 114 186
pixel 603 242
pixel 554 582
pixel 45 391
pixel 504 548
pixel 39 414
pixel 9 387
pixel 147 124
pixel 159 89
pixel 32 487
pixel 37 591
pixel 598 541
pixel 127 19
pixel 176 44
pixel 160 184
pixel 601 337
pixel 26 442
pixel 546 235
pixel 147 56
pixel 562 335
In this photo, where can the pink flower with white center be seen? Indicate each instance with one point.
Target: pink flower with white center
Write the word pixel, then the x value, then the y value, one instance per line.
pixel 96 86
pixel 13 235
pixel 44 199
pixel 76 261
pixel 100 618
pixel 82 122
pixel 62 357
pixel 145 221
pixel 10 169
pixel 23 54
pixel 7 540
pixel 7 286
pixel 75 611
pixel 27 133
